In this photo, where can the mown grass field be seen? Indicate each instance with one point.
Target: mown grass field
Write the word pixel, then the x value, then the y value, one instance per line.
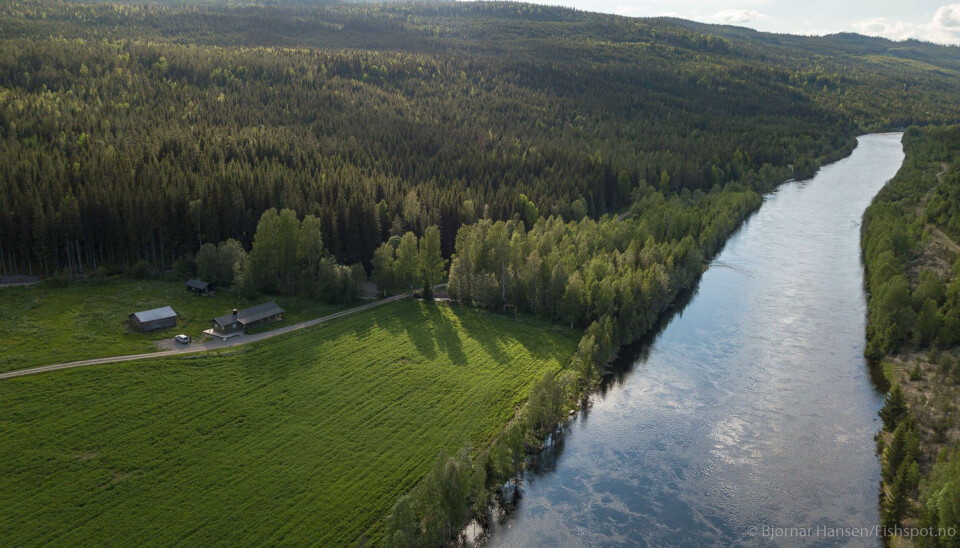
pixel 307 439
pixel 42 325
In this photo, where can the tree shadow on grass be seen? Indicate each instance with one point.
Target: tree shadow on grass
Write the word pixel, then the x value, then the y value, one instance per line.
pixel 494 339
pixel 411 324
pixel 448 338
pixel 429 329
pixel 556 342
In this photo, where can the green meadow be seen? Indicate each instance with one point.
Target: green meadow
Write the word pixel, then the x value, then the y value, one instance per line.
pixel 43 325
pixel 305 439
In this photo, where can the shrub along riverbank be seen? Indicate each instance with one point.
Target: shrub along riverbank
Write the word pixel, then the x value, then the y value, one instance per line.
pixel 913 279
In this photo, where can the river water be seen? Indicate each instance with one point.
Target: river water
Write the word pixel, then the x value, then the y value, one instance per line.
pixel 752 408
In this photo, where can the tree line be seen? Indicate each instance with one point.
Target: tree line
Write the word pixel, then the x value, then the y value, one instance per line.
pixel 289 257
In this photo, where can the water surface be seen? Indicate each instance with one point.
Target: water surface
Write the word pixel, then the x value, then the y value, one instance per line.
pixel 754 406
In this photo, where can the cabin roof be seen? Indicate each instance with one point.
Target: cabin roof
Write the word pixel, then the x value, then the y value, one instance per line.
pixel 198 284
pixel 250 315
pixel 155 314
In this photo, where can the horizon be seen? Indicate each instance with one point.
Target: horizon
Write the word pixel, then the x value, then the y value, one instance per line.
pixel 927 21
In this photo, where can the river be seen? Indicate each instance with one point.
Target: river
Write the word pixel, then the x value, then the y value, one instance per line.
pixel 752 408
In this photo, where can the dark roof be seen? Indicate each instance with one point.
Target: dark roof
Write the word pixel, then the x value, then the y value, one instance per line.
pixel 197 284
pixel 250 315
pixel 155 314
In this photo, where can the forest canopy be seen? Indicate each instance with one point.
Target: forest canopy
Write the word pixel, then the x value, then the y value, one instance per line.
pixel 141 132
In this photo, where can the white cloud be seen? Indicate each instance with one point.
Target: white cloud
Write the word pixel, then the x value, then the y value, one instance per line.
pixel 948 17
pixel 944 28
pixel 737 17
pixel 887 28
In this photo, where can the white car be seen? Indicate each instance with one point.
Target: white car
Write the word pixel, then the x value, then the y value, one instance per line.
pixel 182 339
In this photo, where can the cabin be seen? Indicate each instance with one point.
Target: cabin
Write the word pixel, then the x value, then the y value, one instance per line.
pixel 152 320
pixel 199 287
pixel 240 320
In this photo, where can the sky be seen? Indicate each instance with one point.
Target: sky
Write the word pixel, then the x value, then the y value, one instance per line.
pixel 932 21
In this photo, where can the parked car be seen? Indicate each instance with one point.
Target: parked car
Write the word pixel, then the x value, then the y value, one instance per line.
pixel 182 339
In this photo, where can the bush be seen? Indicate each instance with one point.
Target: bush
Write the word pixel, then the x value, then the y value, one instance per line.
pixel 916 373
pixel 58 279
pixel 141 270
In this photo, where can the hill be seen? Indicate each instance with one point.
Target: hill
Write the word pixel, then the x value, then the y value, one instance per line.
pixel 139 131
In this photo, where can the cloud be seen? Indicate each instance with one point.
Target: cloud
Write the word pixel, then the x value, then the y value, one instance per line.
pixel 948 17
pixel 944 28
pixel 887 28
pixel 737 17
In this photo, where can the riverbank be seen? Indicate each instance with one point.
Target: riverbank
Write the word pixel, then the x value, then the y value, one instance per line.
pixel 720 214
pixel 692 444
pixel 913 274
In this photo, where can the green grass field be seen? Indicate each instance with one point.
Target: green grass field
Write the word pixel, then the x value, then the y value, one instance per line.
pixel 41 325
pixel 307 439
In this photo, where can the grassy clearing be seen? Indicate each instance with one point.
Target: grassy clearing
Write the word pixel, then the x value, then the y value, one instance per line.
pixel 307 440
pixel 894 62
pixel 41 325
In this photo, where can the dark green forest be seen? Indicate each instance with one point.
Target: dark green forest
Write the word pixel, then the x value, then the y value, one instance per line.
pixel 914 296
pixel 142 132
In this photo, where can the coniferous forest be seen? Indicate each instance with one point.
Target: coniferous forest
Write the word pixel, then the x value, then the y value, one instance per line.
pixel 142 132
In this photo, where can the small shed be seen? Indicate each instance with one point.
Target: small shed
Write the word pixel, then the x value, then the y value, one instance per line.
pixel 240 320
pixel 199 287
pixel 152 320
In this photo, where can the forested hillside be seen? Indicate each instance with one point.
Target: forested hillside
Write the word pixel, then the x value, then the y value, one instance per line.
pixel 913 277
pixel 142 132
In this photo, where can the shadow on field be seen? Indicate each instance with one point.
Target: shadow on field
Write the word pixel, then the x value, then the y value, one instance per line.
pixel 493 339
pixel 448 339
pixel 441 327
pixel 428 329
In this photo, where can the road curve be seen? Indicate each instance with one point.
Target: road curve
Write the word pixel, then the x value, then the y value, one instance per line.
pixel 192 349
